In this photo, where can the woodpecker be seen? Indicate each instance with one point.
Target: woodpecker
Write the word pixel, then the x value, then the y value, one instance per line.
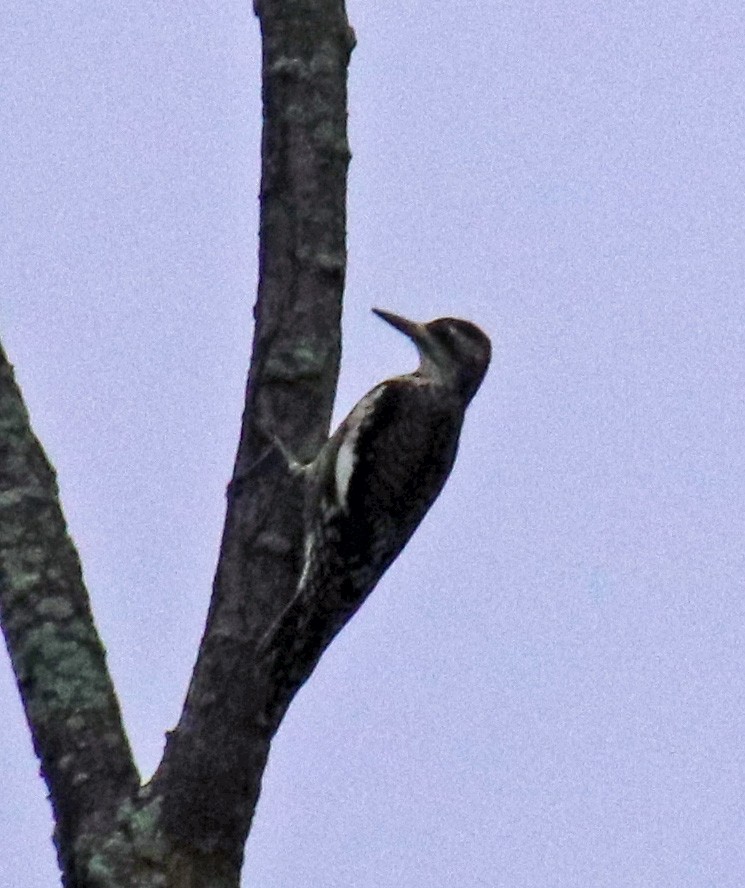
pixel 375 479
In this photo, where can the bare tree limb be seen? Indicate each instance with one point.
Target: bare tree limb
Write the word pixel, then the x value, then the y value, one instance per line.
pixel 57 656
pixel 211 772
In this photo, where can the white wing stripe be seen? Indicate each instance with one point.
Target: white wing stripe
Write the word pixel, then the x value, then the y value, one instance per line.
pixel 346 456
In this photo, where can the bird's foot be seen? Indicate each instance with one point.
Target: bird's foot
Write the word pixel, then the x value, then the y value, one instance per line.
pixel 293 466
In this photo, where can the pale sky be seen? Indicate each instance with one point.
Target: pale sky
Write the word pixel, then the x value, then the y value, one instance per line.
pixel 547 690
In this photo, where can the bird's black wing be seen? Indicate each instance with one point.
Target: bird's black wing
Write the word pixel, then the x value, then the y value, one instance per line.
pixel 405 450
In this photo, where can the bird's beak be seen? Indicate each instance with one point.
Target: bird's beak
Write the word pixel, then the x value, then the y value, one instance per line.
pixel 409 328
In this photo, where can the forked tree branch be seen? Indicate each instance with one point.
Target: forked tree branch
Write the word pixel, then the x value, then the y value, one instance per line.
pixel 188 827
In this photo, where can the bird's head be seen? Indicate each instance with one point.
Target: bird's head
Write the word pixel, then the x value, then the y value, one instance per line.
pixel 453 352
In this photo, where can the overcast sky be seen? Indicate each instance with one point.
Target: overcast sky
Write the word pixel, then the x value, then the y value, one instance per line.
pixel 547 690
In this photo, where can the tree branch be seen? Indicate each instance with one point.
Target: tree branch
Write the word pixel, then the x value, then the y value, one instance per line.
pixel 211 771
pixel 57 656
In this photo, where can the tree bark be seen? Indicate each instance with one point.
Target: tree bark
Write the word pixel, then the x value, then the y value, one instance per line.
pixel 209 798
pixel 57 655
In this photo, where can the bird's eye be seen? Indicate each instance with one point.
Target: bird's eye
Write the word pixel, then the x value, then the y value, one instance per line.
pixel 454 334
pixel 450 332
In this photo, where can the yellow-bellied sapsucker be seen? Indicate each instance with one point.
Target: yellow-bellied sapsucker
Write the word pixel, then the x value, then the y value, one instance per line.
pixel 372 483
